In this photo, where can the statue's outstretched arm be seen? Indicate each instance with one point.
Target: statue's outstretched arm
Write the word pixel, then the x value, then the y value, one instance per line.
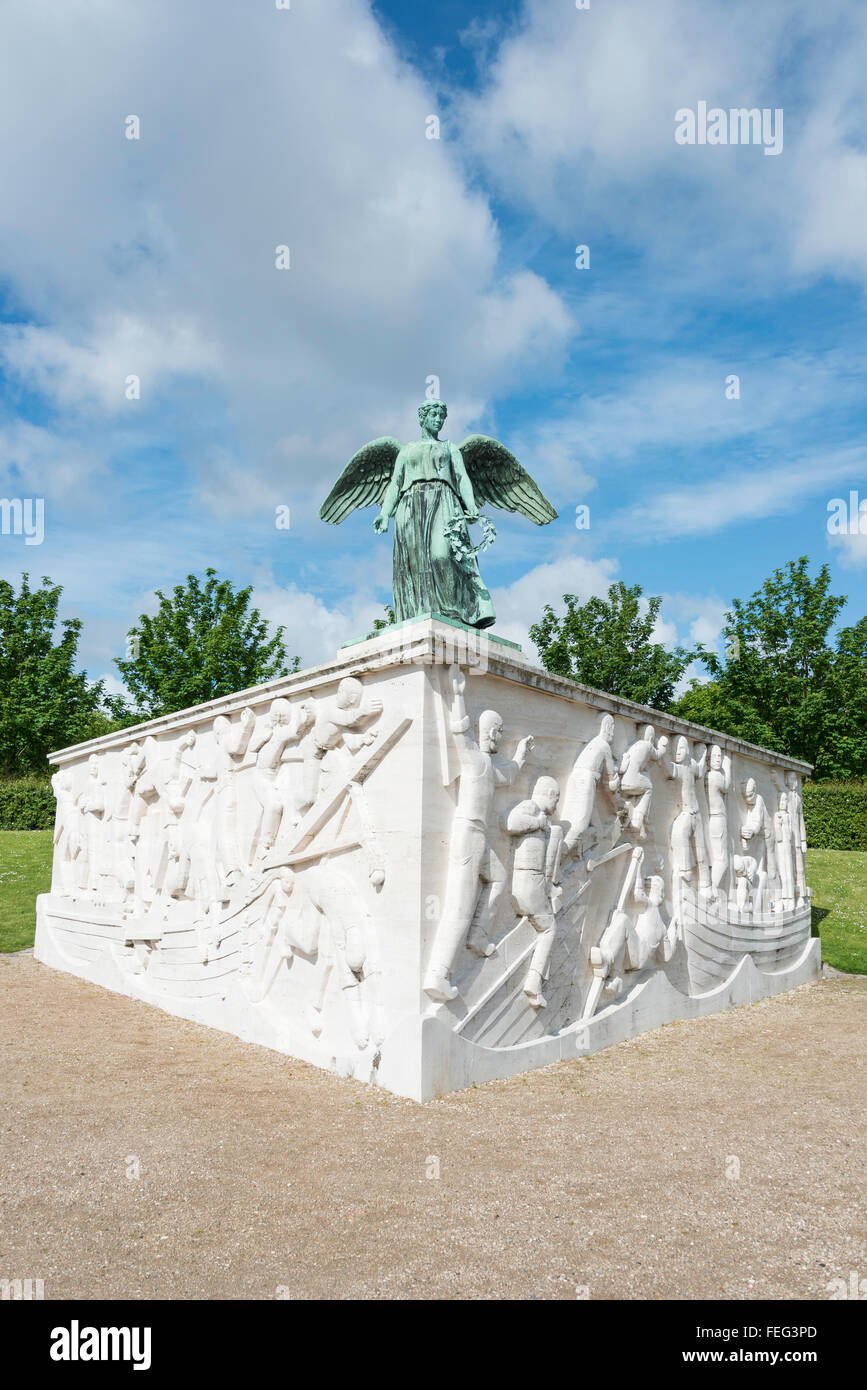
pixel 465 487
pixel 390 498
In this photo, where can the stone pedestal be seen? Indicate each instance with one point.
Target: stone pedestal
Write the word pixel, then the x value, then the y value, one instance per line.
pixel 370 865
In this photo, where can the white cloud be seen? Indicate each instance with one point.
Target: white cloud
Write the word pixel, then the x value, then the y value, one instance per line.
pixel 587 100
pixel 315 631
pixel 95 370
pixel 851 551
pixel 258 128
pixel 738 495
pixel 519 604
pixel 700 617
pixel 37 461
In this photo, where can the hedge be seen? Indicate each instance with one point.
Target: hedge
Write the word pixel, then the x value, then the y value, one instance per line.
pixel 26 804
pixel 835 814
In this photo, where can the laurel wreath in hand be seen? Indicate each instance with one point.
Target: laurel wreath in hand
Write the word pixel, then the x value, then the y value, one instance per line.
pixel 458 537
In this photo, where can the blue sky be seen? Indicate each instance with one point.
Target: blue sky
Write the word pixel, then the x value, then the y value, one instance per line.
pixel 413 257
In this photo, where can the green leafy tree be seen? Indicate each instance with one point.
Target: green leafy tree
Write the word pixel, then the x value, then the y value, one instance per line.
pixel 784 682
pixel 45 703
pixel 380 624
pixel 203 641
pixel 607 643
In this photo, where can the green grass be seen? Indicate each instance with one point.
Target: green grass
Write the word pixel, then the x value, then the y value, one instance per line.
pixel 25 870
pixel 838 880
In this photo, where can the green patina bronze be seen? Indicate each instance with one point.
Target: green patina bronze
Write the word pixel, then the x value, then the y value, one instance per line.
pixel 434 489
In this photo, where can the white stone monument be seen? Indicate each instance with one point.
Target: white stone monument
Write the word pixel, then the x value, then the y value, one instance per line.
pixel 428 864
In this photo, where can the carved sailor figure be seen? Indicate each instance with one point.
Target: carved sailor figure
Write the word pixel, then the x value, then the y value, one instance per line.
pixel 579 801
pixel 687 832
pixel 132 765
pixel 799 834
pixel 758 827
pixel 282 725
pixel 785 853
pixel 634 781
pixel 231 742
pixel 719 779
pixel 627 946
pixel 91 803
pixel 473 865
pixel 337 723
pixel 744 867
pixel 67 841
pixel 534 875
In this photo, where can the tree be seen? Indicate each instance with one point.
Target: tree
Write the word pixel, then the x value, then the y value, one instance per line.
pixel 204 641
pixel 45 703
pixel 607 643
pixel 380 624
pixel 783 683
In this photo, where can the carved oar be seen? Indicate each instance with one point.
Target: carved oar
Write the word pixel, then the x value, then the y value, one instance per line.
pixel 600 972
pixel 612 854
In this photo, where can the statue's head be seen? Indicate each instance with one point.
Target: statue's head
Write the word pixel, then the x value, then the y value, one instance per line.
pixel 349 693
pixel 490 730
pixel 606 728
pixel 649 733
pixel 681 752
pixel 93 765
pixel 546 794
pixel 280 711
pixel 716 757
pixel 792 781
pixel 750 791
pixel 432 415
pixel 784 802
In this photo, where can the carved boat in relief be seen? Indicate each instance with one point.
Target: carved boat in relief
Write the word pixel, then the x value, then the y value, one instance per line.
pixel 716 943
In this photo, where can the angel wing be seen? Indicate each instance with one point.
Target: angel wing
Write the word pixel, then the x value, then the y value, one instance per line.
pixel 498 477
pixel 363 480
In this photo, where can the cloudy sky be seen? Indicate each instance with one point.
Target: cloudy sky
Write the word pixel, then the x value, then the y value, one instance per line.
pixel 414 257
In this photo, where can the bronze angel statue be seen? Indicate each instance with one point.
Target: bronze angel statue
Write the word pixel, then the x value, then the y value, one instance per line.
pixel 434 489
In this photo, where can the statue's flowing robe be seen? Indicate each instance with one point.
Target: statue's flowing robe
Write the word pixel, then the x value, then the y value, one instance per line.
pixel 428 577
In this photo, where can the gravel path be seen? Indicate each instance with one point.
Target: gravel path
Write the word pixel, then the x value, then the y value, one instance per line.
pixel 144 1156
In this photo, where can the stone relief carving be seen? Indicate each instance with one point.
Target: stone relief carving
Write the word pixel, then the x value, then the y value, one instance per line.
pixel 231 742
pixel 282 726
pixel 476 877
pixel 719 777
pixel 799 835
pixel 92 860
pixel 67 843
pixel 534 876
pixel 340 724
pixel 593 762
pixel 785 848
pixel 257 848
pixel 687 832
pixel 635 784
pixel 757 832
pixel 628 946
pixel 686 877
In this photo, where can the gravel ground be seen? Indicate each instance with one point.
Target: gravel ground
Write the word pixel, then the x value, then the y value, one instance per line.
pixel 147 1157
